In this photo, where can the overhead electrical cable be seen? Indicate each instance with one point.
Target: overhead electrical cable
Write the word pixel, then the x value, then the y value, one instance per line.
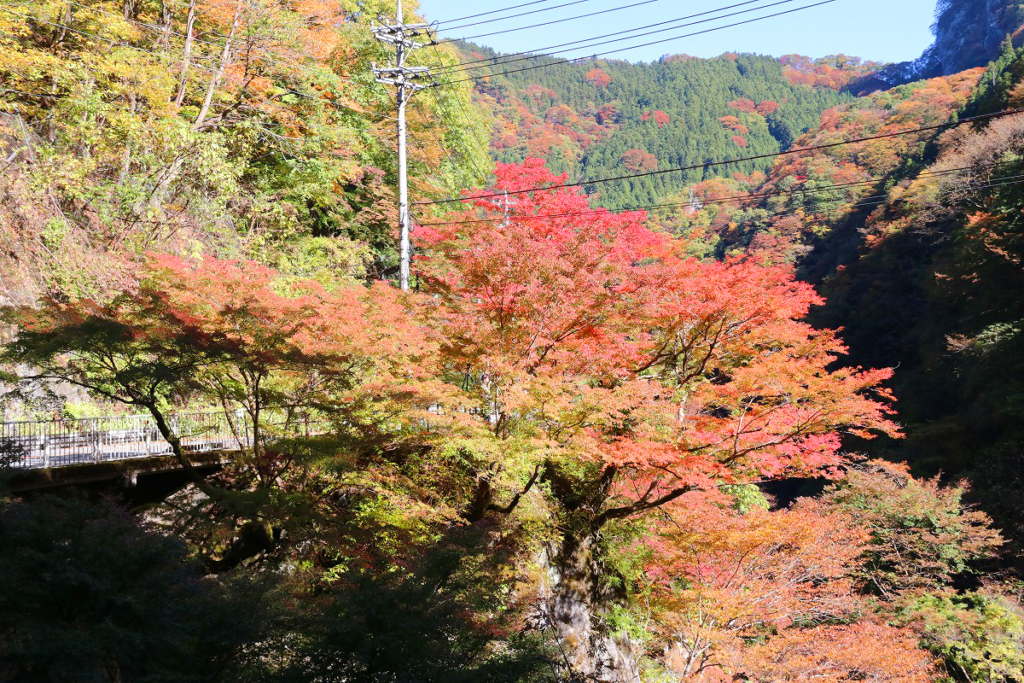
pixel 493 11
pixel 875 200
pixel 541 51
pixel 633 47
pixel 620 8
pixel 523 14
pixel 726 162
pixel 548 51
pixel 738 199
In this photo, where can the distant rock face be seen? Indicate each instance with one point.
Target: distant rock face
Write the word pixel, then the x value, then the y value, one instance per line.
pixel 967 34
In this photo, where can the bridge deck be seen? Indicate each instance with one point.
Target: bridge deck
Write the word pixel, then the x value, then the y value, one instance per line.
pixel 45 444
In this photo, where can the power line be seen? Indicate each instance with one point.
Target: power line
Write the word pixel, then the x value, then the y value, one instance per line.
pixel 546 51
pixel 802 190
pixel 472 162
pixel 521 14
pixel 547 23
pixel 725 162
pixel 493 11
pixel 654 42
pixel 863 202
pixel 540 52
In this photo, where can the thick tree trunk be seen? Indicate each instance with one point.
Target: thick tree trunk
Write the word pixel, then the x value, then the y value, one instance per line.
pixel 574 603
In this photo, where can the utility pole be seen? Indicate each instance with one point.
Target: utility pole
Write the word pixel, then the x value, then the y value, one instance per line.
pixel 405 79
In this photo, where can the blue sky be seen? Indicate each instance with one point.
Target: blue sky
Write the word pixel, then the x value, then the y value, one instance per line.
pixel 883 30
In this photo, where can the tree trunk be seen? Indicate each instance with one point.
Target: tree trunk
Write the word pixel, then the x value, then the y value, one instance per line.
pixel 126 157
pixel 166 21
pixel 225 57
pixel 179 452
pixel 574 604
pixel 61 32
pixel 190 23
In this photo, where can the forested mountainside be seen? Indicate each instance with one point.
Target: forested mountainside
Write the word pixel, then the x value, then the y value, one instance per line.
pixel 223 128
pixel 915 243
pixel 935 282
pixel 605 118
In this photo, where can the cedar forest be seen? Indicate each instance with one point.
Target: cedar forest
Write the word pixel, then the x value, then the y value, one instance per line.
pixel 752 421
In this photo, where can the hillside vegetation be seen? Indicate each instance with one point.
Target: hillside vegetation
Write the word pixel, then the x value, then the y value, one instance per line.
pixel 588 445
pixel 260 136
pixel 606 118
pixel 913 241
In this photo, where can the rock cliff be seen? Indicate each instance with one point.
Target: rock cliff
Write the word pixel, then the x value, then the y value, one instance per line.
pixel 967 34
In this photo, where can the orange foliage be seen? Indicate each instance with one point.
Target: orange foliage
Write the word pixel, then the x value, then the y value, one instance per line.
pixel 639 161
pixel 660 117
pixel 847 166
pixel 724 580
pixel 237 331
pixel 734 124
pixel 598 78
pixel 593 324
pixel 838 654
pixel 744 105
pixel 836 72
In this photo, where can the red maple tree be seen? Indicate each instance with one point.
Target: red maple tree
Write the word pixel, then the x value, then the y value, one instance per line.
pixel 624 374
pixel 598 78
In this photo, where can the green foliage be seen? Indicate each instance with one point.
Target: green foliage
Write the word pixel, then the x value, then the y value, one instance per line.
pixel 100 598
pixel 116 154
pixel 747 497
pixel 922 535
pixel 625 555
pixel 626 623
pixel 670 109
pixel 931 282
pixel 997 87
pixel 433 616
pixel 979 637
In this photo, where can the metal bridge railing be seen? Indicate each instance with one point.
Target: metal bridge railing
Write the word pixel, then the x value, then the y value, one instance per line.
pixel 41 444
pixel 57 443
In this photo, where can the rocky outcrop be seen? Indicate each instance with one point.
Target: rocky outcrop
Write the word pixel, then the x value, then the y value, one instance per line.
pixel 968 33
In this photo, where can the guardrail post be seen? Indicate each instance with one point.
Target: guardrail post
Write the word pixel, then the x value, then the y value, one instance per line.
pixel 97 453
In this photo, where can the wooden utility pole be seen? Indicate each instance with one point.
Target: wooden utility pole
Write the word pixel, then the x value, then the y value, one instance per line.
pixel 405 79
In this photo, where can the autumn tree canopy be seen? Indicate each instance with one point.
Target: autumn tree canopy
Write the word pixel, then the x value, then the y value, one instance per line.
pixel 598 342
pixel 562 367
